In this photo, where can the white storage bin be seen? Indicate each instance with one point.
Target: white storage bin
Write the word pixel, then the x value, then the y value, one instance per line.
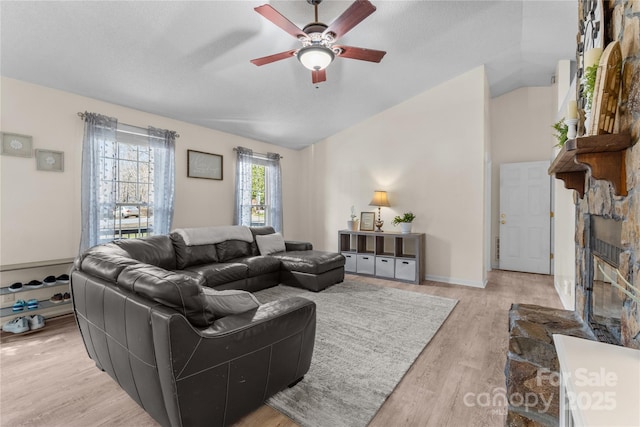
pixel 366 264
pixel 350 262
pixel 384 267
pixel 406 269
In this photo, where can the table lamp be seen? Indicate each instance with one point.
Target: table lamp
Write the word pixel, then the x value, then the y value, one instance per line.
pixel 379 199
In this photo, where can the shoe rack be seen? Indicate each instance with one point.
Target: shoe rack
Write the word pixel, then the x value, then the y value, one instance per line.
pixel 25 273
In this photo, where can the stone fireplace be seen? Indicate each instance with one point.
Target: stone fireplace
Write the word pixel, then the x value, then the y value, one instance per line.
pixel 607 244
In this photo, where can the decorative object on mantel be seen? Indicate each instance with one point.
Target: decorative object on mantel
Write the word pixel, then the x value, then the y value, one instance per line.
pixel 353 223
pixel 561 128
pixel 405 221
pixel 379 199
pixel 606 91
pixel 571 121
pixel 51 161
pixel 14 144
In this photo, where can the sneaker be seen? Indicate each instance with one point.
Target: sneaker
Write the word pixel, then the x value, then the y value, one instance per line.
pixel 19 305
pixel 32 304
pixel 33 284
pixel 49 280
pixel 36 322
pixel 66 296
pixel 16 326
pixel 56 298
pixel 15 287
pixel 63 278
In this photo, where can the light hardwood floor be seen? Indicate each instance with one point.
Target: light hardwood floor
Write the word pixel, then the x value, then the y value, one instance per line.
pixel 48 380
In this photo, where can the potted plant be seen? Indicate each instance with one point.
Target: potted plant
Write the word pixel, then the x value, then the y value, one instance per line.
pixel 405 221
pixel 353 223
pixel 561 132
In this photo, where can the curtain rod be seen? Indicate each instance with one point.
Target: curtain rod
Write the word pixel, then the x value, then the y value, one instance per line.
pixel 81 115
pixel 258 154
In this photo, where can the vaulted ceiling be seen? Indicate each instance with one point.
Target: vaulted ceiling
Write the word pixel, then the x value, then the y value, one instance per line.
pixel 189 60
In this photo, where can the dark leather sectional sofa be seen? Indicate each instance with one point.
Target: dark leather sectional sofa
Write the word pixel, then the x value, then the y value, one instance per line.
pixel 144 317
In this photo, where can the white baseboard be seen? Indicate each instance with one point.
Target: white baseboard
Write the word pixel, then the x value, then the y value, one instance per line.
pixel 454 281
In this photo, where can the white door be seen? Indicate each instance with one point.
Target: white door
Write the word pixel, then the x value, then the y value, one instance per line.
pixel 525 220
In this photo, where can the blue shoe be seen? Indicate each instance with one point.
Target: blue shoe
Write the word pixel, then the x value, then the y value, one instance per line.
pixel 19 305
pixel 32 304
pixel 16 326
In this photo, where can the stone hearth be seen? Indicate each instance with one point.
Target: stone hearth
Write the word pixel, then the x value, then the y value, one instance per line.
pixel 532 368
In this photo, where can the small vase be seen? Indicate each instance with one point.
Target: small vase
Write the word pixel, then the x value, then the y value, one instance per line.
pixel 405 227
pixel 352 225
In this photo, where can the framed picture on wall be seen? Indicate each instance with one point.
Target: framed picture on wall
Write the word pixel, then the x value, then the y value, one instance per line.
pixel 48 160
pixel 14 144
pixel 366 221
pixel 204 165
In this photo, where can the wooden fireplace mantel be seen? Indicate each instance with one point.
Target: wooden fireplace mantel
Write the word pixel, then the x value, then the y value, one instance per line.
pixel 602 155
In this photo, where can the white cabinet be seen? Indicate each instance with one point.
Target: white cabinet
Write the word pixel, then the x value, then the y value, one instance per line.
pixel 396 256
pixel 599 383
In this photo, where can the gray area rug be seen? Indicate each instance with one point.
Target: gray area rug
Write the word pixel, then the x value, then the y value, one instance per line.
pixel 367 337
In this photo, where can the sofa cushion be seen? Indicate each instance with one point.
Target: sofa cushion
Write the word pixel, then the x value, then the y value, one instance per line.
pixel 270 243
pixel 104 261
pixel 220 273
pixel 231 249
pixel 224 303
pixel 259 265
pixel 187 256
pixel 178 291
pixel 154 250
pixel 312 262
pixel 259 231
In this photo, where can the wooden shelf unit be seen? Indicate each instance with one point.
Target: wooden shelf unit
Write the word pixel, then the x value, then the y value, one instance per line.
pixel 395 256
pixel 602 155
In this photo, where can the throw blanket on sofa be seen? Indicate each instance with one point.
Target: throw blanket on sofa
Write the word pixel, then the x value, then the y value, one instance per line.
pixel 212 235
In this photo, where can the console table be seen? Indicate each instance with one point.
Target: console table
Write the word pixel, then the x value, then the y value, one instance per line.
pixel 599 383
pixel 395 256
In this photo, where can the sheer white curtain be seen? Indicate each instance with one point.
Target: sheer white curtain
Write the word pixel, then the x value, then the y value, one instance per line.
pixel 242 210
pixel 273 180
pixel 163 144
pixel 96 201
pixel 274 191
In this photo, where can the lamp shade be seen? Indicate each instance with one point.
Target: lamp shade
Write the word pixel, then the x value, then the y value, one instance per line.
pixel 315 57
pixel 379 199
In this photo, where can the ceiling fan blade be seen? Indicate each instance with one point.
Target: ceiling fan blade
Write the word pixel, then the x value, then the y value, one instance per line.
pixel 273 58
pixel 361 53
pixel 277 18
pixel 318 76
pixel 351 17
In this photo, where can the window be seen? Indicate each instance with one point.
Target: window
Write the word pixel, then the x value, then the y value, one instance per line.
pixel 258 189
pixel 126 186
pixel 128 180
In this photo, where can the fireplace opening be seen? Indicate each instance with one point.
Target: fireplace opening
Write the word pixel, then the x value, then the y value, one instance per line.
pixel 604 300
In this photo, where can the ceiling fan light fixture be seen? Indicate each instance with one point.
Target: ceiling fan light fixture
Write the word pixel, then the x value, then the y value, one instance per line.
pixel 315 58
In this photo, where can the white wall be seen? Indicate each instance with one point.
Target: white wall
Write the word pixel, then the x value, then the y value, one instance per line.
pixel 428 153
pixel 564 247
pixel 520 132
pixel 40 211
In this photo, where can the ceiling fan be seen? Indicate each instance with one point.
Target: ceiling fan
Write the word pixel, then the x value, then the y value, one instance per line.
pixel 318 49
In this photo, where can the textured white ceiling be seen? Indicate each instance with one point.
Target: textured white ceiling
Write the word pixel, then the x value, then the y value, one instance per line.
pixel 190 60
